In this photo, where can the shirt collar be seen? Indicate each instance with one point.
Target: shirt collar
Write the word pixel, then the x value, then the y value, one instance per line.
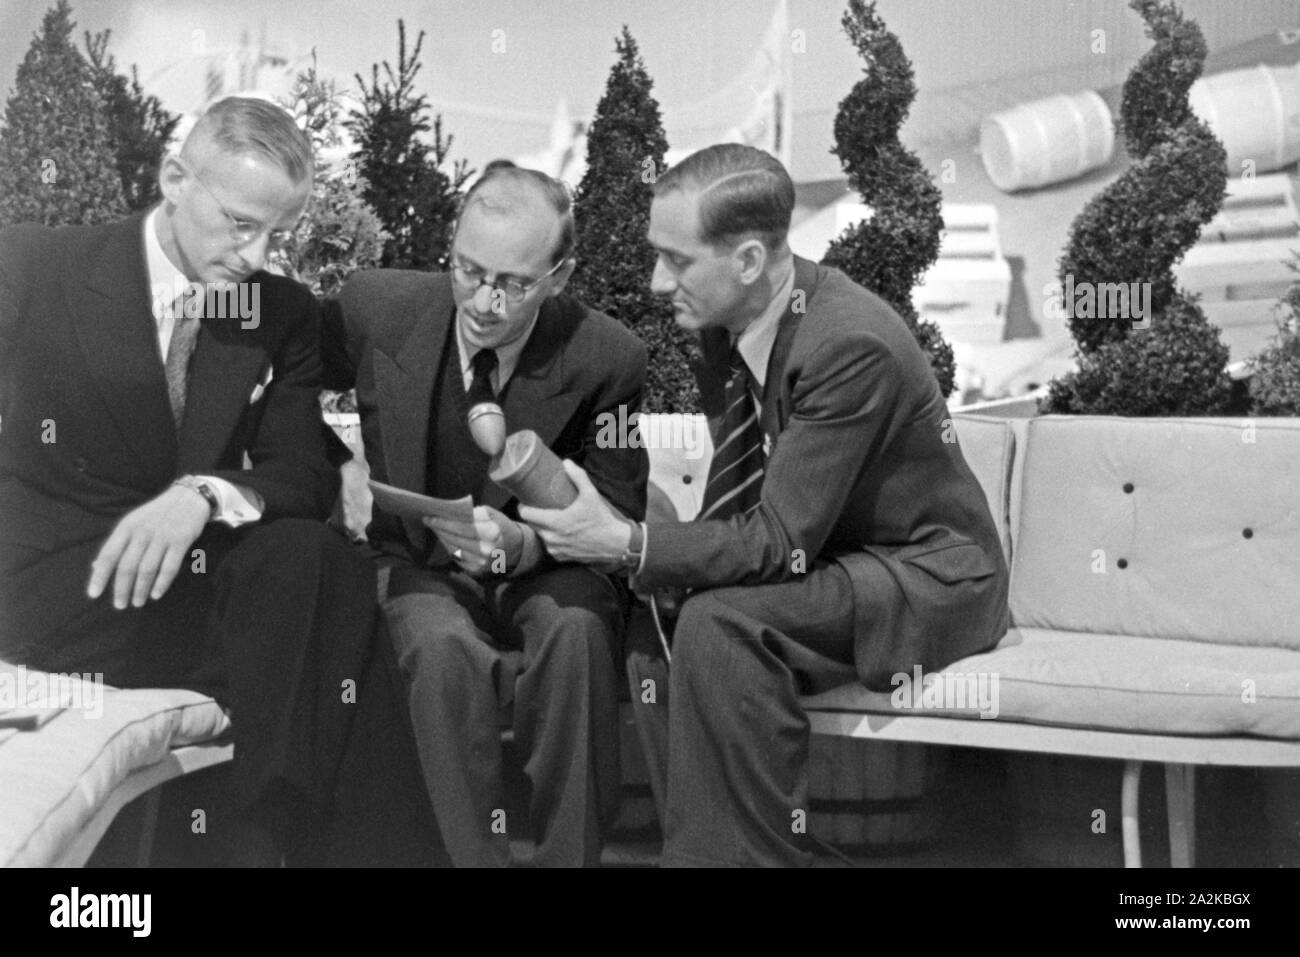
pixel 166 282
pixel 507 355
pixel 757 339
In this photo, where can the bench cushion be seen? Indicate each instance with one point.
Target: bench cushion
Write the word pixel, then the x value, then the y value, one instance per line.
pixel 56 777
pixel 1185 529
pixel 988 445
pixel 1109 682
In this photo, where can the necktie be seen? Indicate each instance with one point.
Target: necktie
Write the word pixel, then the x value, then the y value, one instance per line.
pixel 736 469
pixel 480 390
pixel 177 367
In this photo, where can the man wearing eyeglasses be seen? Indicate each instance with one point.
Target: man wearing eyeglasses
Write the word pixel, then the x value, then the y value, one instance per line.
pixel 135 543
pixel 422 350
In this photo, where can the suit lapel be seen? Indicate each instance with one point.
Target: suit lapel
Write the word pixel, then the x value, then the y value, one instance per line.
pixel 776 399
pixel 404 385
pixel 532 398
pixel 224 371
pixel 112 314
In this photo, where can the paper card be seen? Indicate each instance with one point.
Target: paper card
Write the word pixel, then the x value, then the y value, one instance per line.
pixel 398 501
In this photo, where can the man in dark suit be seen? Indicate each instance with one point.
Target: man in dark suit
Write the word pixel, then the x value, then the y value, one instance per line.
pixel 426 348
pixel 842 533
pixel 141 362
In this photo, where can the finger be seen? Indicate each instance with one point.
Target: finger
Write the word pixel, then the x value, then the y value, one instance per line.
pixel 171 565
pixel 124 578
pixel 105 562
pixel 440 525
pixel 147 572
pixel 539 518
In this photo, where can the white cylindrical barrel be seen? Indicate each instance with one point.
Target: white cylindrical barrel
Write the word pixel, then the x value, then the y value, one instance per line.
pixel 1047 141
pixel 1255 112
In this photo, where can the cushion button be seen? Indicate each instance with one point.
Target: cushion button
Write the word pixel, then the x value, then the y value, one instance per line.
pixel 1128 488
pixel 686 480
pixel 1122 563
pixel 1246 533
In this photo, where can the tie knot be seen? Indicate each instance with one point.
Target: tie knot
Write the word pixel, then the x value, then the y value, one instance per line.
pixel 484 362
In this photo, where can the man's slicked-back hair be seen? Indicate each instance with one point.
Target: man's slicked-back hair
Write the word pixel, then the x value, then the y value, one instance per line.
pixel 499 187
pixel 743 191
pixel 240 125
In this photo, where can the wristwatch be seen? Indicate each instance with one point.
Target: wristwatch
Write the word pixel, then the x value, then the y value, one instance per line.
pixel 196 484
pixel 636 544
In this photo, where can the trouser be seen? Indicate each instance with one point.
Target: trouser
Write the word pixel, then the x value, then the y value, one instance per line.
pixel 277 621
pixel 449 630
pixel 725 738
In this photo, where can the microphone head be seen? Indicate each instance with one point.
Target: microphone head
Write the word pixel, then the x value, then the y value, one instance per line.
pixel 487 426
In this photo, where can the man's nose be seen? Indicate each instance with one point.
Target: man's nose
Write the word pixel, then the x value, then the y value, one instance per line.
pixel 484 298
pixel 661 280
pixel 253 252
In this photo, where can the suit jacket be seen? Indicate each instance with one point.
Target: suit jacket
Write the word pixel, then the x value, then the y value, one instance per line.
pixel 386 332
pixel 864 469
pixel 87 429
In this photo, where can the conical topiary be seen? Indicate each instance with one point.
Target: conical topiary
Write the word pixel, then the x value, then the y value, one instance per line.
pixel 57 162
pixel 625 154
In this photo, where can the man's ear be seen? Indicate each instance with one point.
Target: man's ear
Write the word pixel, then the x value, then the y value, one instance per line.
pixel 172 176
pixel 752 257
pixel 561 277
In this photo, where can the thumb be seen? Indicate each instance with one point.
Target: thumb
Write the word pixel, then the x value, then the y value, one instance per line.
pixel 579 476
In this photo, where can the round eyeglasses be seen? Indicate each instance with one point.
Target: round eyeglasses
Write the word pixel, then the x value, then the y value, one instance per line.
pixel 471 278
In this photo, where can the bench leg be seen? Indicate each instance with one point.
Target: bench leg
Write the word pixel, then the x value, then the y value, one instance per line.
pixel 1180 796
pixel 1129 813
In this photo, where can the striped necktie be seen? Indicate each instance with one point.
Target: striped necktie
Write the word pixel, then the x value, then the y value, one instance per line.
pixel 180 350
pixel 736 470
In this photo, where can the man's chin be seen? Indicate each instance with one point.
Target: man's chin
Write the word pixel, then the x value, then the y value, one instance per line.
pixel 687 321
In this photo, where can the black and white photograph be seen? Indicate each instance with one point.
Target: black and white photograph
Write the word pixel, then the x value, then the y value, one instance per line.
pixel 636 434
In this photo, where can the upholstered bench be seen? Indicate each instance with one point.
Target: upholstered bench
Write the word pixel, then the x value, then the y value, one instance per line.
pixel 1154 606
pixel 1154 602
pixel 64 782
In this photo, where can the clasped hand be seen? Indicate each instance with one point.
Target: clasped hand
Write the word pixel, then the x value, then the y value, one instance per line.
pixel 145 550
pixel 588 531
pixel 478 546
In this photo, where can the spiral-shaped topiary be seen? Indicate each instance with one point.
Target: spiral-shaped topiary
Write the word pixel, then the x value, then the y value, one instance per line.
pixel 889 252
pixel 1133 233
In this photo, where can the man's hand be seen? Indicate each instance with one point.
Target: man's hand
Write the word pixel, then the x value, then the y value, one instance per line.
pixel 146 549
pixel 476 545
pixel 588 531
pixel 356 501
